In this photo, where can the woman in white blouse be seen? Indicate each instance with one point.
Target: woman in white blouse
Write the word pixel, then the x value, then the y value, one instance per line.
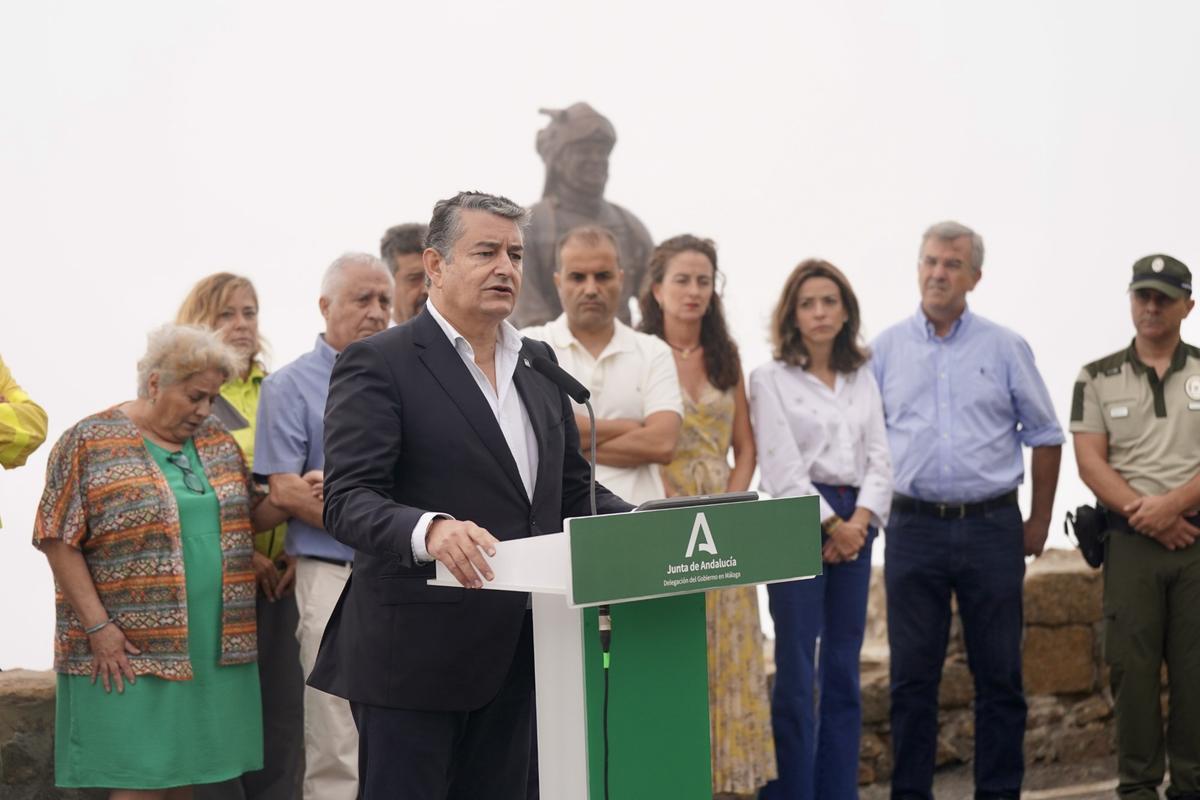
pixel 818 423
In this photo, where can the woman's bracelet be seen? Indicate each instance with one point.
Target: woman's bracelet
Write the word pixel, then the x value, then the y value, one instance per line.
pixel 98 626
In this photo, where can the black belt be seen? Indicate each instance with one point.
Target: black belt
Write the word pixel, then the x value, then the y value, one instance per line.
pixel 1119 523
pixel 953 510
pixel 337 562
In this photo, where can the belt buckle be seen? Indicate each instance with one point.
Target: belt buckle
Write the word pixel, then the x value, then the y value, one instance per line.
pixel 943 508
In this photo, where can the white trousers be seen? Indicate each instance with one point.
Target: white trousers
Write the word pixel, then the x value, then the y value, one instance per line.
pixel 330 736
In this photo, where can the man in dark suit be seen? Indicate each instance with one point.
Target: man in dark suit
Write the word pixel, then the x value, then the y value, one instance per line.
pixel 440 441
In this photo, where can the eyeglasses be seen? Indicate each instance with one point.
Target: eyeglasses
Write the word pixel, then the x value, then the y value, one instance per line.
pixel 190 479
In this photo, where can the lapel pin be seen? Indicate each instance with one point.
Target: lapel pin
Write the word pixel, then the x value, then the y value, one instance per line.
pixel 528 364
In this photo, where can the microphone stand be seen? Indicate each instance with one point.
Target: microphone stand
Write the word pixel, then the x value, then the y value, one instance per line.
pixel 592 460
pixel 579 393
pixel 605 617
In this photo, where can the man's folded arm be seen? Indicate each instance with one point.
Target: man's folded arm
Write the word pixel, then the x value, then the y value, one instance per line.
pixel 577 470
pixel 362 443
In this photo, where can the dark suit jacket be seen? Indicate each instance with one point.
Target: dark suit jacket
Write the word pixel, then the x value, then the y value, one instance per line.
pixel 408 431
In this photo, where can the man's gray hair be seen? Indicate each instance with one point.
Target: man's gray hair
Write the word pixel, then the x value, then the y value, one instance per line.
pixel 177 352
pixel 445 227
pixel 332 279
pixel 950 230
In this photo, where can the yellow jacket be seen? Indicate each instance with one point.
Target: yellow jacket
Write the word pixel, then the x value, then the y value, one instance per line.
pixel 22 422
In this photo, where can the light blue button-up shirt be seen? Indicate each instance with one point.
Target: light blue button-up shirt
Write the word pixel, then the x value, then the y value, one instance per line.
pixel 959 407
pixel 290 437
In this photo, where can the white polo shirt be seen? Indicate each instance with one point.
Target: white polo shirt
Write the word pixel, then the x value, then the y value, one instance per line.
pixel 633 378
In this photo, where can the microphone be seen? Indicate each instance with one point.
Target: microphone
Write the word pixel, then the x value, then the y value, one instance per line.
pixel 562 379
pixel 580 394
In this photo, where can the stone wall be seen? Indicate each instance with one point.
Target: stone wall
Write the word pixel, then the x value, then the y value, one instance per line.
pixel 27 739
pixel 1070 709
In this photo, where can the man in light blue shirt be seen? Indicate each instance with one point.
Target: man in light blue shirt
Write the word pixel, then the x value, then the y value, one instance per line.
pixel 289 443
pixel 961 396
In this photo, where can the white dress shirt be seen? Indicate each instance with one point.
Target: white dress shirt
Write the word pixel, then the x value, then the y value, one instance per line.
pixel 807 432
pixel 505 402
pixel 632 378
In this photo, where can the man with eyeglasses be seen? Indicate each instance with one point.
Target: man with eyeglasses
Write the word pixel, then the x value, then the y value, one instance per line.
pixel 1135 417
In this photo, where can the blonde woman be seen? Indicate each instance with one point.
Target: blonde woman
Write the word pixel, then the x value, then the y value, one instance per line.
pixel 680 304
pixel 228 304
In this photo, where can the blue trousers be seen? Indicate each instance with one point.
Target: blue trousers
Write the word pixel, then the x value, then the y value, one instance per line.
pixel 816 743
pixel 981 560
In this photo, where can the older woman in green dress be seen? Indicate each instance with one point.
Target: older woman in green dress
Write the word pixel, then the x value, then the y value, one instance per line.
pixel 146 522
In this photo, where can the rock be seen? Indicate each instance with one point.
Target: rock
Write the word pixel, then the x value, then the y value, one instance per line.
pixel 21 757
pixel 955 646
pixel 26 728
pixel 876 633
pixel 874 656
pixel 872 747
pixel 27 739
pixel 956 737
pixel 1058 660
pixel 1039 745
pixel 957 688
pixel 1094 740
pixel 1061 589
pixel 883 764
pixel 21 686
pixel 1044 711
pixel 1091 709
pixel 871 751
pixel 876 697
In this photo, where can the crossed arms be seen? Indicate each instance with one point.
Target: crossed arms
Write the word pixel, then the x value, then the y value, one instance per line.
pixel 1161 517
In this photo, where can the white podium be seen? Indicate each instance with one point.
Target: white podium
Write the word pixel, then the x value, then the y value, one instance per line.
pixel 541 565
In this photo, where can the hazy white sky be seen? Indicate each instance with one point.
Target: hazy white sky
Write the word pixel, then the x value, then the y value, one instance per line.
pixel 148 144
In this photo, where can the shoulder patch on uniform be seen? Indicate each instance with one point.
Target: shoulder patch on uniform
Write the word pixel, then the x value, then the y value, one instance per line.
pixel 1077 403
pixel 1109 365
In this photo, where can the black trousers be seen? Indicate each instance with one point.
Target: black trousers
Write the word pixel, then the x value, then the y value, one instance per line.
pixel 451 755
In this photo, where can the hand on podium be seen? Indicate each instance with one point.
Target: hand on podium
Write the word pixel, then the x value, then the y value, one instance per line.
pixel 460 546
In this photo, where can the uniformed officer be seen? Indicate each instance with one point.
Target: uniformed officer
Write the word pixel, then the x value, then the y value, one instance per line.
pixel 1135 417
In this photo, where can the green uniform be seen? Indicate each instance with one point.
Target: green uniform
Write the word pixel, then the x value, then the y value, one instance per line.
pixel 163 733
pixel 1151 594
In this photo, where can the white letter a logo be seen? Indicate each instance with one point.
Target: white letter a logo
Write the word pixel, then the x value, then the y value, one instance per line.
pixel 707 546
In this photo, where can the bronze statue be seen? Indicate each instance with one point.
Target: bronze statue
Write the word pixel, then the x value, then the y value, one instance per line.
pixel 576 146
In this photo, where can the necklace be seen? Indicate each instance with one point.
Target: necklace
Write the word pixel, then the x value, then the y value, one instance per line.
pixel 684 352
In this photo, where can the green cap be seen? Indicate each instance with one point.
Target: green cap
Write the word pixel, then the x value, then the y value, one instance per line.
pixel 1164 274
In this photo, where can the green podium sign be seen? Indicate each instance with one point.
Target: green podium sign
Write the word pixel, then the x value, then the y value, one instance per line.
pixel 657 714
pixel 683 550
